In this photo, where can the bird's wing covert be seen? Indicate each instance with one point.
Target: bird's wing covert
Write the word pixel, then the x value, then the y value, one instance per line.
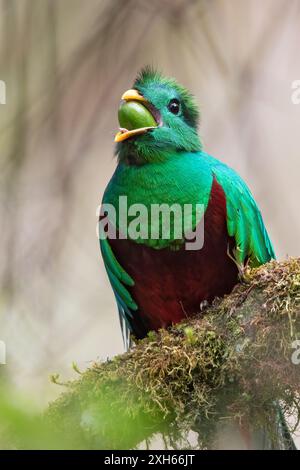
pixel 119 279
pixel 244 220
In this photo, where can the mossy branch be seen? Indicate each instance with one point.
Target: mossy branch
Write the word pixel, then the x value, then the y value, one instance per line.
pixel 233 360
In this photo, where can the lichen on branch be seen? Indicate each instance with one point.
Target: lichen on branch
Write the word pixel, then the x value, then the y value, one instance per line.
pixel 231 361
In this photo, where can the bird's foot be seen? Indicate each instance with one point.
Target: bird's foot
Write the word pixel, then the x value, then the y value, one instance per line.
pixel 243 269
pixel 203 305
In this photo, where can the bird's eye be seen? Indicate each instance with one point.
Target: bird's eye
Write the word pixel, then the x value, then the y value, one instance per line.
pixel 174 106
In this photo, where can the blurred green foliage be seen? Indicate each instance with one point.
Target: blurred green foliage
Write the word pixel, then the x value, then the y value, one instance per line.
pixel 23 427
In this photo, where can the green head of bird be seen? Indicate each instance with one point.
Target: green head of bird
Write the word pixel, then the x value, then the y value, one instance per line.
pixel 157 117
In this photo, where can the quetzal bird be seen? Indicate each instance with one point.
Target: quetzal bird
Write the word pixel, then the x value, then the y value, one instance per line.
pixel 157 282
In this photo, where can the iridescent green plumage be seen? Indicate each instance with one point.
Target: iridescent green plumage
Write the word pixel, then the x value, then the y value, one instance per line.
pixel 167 166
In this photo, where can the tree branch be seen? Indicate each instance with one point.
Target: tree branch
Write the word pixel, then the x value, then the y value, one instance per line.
pixel 231 361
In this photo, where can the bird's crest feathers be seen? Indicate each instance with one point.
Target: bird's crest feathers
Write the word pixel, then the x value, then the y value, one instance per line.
pixel 151 76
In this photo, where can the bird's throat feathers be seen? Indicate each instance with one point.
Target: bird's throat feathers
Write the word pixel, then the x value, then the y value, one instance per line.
pixel 157 148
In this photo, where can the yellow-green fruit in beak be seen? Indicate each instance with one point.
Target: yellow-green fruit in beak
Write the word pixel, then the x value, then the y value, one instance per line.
pixel 133 115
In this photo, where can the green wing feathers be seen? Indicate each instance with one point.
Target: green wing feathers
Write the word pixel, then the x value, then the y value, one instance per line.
pixel 244 220
pixel 119 281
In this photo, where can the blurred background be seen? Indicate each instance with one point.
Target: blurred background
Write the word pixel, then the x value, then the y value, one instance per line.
pixel 65 64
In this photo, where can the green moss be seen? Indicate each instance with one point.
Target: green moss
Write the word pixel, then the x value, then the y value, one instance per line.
pixel 231 361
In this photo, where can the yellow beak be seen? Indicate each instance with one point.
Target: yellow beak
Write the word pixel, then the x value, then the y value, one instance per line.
pixel 133 95
pixel 120 136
